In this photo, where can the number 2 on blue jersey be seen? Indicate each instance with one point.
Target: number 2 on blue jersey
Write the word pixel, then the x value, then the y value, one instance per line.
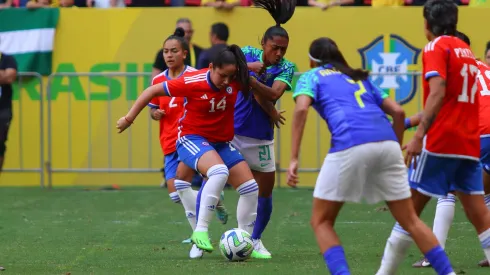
pixel 359 92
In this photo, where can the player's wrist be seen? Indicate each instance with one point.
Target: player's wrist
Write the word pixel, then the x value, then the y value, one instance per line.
pixel 128 119
pixel 408 123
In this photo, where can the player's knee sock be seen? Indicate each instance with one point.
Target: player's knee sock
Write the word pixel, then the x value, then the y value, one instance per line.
pixel 335 259
pixel 264 212
pixel 217 177
pixel 395 250
pixel 487 200
pixel 174 196
pixel 247 205
pixel 439 261
pixel 485 243
pixel 444 218
pixel 188 199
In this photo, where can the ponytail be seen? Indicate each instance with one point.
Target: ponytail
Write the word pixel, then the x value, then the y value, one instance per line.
pixel 281 11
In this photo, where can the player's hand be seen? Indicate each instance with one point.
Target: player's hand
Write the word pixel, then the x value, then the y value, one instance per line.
pixel 277 118
pixel 123 123
pixel 292 175
pixel 413 148
pixel 324 7
pixel 158 114
pixel 257 67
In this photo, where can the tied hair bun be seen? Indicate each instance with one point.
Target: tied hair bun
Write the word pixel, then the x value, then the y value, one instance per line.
pixel 179 32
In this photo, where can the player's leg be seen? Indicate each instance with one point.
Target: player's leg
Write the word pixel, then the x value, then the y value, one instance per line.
pixel 469 187
pixel 429 179
pixel 443 219
pixel 5 118
pixel 196 152
pixel 241 179
pixel 221 211
pixel 259 155
pixel 485 162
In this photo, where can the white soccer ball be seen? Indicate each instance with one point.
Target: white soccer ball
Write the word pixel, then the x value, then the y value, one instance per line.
pixel 236 245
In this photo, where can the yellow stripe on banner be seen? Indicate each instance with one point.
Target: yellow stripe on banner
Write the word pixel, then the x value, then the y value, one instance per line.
pixel 387 49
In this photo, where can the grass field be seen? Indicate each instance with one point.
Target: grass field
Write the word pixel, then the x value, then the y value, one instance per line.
pixel 139 231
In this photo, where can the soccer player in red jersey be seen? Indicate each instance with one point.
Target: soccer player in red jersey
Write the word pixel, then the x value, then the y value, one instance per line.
pixel 205 132
pixel 447 140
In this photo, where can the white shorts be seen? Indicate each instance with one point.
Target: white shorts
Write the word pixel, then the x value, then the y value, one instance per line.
pixel 259 154
pixel 374 172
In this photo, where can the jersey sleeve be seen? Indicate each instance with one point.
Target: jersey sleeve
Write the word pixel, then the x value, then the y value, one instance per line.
pixel 179 87
pixel 435 60
pixel 247 50
pixel 379 94
pixel 154 103
pixel 307 85
pixel 8 62
pixel 286 75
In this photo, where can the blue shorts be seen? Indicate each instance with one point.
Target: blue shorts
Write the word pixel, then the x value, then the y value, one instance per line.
pixel 171 163
pixel 485 153
pixel 191 147
pixel 437 176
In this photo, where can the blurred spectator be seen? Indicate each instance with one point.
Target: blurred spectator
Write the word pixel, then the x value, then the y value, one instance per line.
pixel 50 3
pixel 479 3
pixel 194 50
pixel 8 74
pixel 389 3
pixel 487 53
pixel 106 3
pixel 221 4
pixel 218 36
pixel 145 3
pixel 5 4
pixel 325 4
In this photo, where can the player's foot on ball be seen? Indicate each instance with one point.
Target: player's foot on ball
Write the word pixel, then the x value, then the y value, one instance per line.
pixel 422 263
pixel 484 263
pixel 260 252
pixel 187 241
pixel 195 252
pixel 201 239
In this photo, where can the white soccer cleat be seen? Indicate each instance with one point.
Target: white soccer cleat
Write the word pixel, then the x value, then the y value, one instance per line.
pixel 195 252
pixel 260 252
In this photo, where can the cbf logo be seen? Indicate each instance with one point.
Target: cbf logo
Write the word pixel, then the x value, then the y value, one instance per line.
pixel 392 54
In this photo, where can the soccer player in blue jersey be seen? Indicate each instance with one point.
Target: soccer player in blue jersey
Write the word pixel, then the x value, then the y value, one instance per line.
pixel 254 133
pixel 365 159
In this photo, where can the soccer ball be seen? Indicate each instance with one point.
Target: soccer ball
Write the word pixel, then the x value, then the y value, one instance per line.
pixel 236 245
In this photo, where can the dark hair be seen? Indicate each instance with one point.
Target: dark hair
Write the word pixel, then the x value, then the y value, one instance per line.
pixel 179 36
pixel 463 37
pixel 221 31
pixel 325 51
pixel 487 48
pixel 281 11
pixel 441 16
pixel 233 54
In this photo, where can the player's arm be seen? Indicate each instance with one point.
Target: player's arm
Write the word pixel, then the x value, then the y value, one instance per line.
pixel 435 71
pixel 8 75
pixel 413 121
pixel 270 109
pixel 155 112
pixel 397 113
pixel 263 90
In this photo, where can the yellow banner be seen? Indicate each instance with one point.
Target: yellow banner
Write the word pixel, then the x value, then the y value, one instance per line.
pixel 84 109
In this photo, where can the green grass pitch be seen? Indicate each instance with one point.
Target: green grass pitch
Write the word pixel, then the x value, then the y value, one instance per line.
pixel 139 231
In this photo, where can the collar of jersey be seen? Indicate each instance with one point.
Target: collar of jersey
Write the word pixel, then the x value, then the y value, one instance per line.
pixel 169 78
pixel 208 79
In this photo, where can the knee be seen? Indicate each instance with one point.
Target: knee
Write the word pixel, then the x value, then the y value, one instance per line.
pixel 249 188
pixel 318 221
pixel 218 171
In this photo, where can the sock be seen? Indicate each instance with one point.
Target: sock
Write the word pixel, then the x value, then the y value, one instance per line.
pixel 174 197
pixel 485 242
pixel 188 199
pixel 264 212
pixel 439 261
pixel 217 177
pixel 246 211
pixel 444 218
pixel 335 259
pixel 395 250
pixel 487 200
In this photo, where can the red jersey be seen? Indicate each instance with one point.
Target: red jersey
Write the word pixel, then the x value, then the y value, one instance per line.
pixel 483 80
pixel 455 131
pixel 209 111
pixel 174 110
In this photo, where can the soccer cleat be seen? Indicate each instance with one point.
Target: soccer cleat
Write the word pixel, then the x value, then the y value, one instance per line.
pixel 187 241
pixel 221 213
pixel 484 263
pixel 195 252
pixel 422 263
pixel 2 268
pixel 202 241
pixel 260 252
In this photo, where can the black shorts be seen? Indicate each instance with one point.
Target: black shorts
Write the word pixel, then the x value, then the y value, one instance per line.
pixel 5 119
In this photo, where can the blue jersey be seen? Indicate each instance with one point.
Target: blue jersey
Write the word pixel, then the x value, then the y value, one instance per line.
pixel 350 108
pixel 250 120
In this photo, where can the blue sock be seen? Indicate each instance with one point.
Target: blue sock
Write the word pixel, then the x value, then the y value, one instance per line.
pixel 264 212
pixel 198 202
pixel 335 260
pixel 439 260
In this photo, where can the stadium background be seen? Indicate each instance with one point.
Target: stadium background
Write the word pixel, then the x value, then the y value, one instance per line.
pixel 126 40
